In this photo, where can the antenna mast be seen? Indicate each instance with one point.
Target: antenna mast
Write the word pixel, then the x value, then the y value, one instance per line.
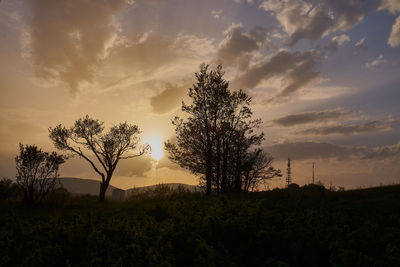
pixel 288 174
pixel 313 173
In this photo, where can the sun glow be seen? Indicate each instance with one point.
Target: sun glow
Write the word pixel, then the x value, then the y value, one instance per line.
pixel 156 147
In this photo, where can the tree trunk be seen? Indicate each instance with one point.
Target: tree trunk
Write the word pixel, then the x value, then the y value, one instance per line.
pixel 224 169
pixel 218 162
pixel 104 186
pixel 238 172
pixel 103 190
pixel 208 165
pixel 208 177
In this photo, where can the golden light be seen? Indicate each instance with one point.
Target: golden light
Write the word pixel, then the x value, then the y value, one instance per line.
pixel 156 146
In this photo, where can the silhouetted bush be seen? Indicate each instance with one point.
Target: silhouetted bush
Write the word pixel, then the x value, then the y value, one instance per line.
pixel 9 189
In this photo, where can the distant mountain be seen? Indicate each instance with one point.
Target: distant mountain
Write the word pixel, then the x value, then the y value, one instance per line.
pixel 81 186
pixel 84 186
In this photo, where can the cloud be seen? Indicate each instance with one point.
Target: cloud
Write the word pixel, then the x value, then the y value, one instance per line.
pixel 134 167
pixel 367 127
pixel 338 41
pixel 394 38
pixel 69 38
pixel 237 47
pixel 310 117
pixel 303 19
pixel 392 6
pixel 149 53
pixel 216 14
pixel 308 150
pixel 379 60
pixel 296 70
pixel 168 99
pixel 360 45
pixel 382 152
pixel 315 150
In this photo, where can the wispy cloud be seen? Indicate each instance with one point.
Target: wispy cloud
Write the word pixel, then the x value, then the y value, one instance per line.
pixel 378 61
pixel 360 45
pixel 216 14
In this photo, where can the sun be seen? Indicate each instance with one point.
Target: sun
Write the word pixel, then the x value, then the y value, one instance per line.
pixel 156 147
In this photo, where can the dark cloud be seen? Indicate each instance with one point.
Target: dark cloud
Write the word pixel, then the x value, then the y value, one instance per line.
pixel 367 127
pixel 309 150
pixel 296 69
pixel 314 150
pixel 69 37
pixel 237 47
pixel 310 117
pixel 168 99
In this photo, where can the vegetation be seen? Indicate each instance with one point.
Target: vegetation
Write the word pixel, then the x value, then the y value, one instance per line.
pixel 217 138
pixel 37 172
pixel 309 226
pixel 108 148
pixel 8 189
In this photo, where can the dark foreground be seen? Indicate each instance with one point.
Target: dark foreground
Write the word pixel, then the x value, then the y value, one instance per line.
pixel 306 227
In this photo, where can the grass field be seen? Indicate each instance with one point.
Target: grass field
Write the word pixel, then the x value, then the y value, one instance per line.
pixel 306 227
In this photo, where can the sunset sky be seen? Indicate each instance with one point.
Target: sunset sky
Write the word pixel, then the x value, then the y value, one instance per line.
pixel 324 76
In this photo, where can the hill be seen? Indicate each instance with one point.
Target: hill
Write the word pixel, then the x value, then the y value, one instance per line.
pixel 81 186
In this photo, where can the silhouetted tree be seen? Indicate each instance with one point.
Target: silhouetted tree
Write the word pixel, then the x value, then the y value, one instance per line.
pixel 196 135
pixel 258 170
pixel 215 136
pixel 86 135
pixel 37 172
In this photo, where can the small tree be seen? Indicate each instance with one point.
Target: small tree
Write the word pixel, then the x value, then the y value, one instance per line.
pixel 37 172
pixel 258 170
pixel 86 135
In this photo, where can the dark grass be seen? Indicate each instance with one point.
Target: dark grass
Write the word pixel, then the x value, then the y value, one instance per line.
pixel 306 227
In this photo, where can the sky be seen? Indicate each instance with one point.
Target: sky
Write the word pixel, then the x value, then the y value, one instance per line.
pixel 323 75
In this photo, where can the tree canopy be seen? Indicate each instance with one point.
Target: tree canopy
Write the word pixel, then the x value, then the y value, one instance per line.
pixel 106 148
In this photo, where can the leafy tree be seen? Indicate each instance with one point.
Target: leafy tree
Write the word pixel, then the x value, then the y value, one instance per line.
pixel 37 172
pixel 86 135
pixel 217 133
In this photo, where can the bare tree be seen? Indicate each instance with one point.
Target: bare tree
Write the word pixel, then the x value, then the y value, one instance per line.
pixel 258 170
pixel 37 172
pixel 86 135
